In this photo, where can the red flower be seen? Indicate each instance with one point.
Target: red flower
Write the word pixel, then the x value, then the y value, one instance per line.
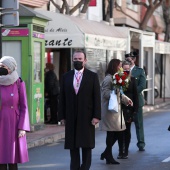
pixel 123 83
pixel 117 77
pixel 124 77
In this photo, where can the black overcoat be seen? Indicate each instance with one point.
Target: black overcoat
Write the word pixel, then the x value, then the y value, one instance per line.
pixel 79 110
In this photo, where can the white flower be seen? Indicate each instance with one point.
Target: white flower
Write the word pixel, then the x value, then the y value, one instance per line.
pixel 120 81
pixel 114 76
pixel 127 80
pixel 114 82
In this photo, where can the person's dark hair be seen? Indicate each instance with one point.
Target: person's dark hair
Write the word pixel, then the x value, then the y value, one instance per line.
pixel 50 66
pixel 125 63
pixel 112 66
pixel 80 51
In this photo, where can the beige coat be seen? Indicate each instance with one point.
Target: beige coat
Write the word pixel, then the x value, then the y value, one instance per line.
pixel 110 121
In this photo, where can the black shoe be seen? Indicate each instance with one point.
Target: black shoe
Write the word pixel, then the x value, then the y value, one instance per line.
pixel 141 149
pixel 120 156
pixel 109 160
pixel 125 155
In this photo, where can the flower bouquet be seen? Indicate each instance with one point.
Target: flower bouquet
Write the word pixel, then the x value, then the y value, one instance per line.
pixel 121 80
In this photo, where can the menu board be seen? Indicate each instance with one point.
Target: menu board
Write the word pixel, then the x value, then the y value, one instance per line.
pixel 96 62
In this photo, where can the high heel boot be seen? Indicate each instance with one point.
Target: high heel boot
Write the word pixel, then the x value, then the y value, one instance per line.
pixel 109 159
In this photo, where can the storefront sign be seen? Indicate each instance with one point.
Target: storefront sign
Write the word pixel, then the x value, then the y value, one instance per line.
pixel 38 35
pixel 103 42
pixel 64 41
pixel 162 48
pixel 15 32
pixel 57 30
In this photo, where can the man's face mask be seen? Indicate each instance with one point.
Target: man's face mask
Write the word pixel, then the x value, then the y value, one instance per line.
pixel 78 65
pixel 3 71
pixel 126 71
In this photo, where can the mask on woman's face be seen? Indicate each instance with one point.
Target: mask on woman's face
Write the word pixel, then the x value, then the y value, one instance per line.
pixel 78 65
pixel 3 71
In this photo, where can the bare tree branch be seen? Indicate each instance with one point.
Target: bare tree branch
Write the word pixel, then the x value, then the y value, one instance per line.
pixel 135 2
pixel 150 3
pixel 66 6
pixel 158 4
pixel 76 7
pixel 56 5
pixel 85 7
pixel 62 8
pixel 119 8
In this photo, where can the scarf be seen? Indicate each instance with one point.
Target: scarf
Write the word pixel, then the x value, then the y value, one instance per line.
pixel 9 78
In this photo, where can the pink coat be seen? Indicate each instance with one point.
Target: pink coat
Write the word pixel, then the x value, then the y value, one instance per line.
pixel 13 116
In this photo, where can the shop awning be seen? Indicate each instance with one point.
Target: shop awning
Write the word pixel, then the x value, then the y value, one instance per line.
pixel 73 32
pixel 162 47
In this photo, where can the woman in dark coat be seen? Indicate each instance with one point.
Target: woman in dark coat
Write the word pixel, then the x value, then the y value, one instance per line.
pixel 128 111
pixel 14 118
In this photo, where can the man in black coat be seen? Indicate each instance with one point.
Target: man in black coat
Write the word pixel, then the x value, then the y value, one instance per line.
pixel 80 110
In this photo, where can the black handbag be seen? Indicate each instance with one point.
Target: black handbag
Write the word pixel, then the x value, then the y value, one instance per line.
pixel 128 114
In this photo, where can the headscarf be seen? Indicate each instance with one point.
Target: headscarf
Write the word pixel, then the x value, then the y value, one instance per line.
pixel 12 77
pixel 9 62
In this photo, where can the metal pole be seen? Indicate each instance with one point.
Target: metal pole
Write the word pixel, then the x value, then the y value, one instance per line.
pixel 161 76
pixel 111 8
pixel 111 12
pixel 104 14
pixel 164 75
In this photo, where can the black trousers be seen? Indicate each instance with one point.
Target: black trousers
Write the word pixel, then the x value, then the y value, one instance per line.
pixel 10 166
pixel 127 137
pixel 75 159
pixel 111 138
pixel 54 108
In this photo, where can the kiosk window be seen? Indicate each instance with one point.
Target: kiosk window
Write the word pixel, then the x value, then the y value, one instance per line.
pixel 37 62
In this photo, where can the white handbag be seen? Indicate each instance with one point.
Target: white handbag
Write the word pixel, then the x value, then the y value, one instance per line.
pixel 113 103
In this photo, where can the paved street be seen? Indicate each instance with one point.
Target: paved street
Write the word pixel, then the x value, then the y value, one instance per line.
pixel 156 156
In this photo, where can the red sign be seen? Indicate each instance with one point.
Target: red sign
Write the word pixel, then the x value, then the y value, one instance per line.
pixel 92 3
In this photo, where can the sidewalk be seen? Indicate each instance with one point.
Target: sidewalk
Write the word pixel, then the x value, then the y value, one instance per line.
pixel 53 133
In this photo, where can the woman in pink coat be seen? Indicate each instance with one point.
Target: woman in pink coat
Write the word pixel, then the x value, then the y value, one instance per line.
pixel 14 118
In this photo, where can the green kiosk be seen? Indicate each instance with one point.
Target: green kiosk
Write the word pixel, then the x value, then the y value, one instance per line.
pixel 26 43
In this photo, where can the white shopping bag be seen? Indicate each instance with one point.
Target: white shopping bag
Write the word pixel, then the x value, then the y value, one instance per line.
pixel 113 103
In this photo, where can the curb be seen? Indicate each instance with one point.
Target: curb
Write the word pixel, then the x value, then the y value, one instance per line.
pixel 157 106
pixel 46 140
pixel 55 137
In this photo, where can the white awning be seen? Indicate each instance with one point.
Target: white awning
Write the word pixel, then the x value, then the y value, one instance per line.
pixel 162 47
pixel 73 32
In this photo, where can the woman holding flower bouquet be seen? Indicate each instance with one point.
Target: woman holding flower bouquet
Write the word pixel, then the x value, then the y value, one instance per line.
pixel 113 123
